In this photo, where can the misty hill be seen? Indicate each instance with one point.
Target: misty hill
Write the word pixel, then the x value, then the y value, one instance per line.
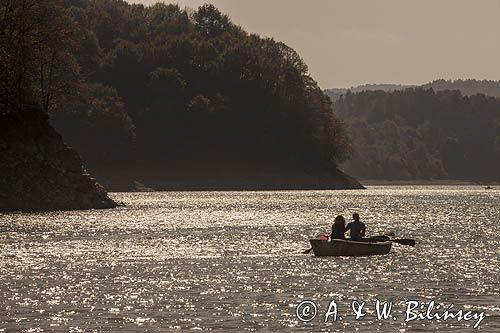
pixel 467 87
pixel 189 100
pixel 335 93
pixel 418 133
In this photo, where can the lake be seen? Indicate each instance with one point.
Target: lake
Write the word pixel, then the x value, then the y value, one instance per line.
pixel 233 261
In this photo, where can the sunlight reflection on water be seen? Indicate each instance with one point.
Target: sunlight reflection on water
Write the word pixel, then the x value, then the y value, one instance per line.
pixel 232 260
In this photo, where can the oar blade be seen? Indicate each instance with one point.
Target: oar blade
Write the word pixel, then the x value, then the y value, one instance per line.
pixel 404 241
pixel 307 251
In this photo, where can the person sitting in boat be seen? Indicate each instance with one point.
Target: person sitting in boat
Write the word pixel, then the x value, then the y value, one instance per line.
pixel 338 228
pixel 356 227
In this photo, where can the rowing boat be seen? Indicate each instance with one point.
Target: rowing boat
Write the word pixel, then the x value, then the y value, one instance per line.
pixel 345 247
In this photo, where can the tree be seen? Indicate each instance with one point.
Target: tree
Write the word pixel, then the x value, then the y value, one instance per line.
pixel 37 65
pixel 210 22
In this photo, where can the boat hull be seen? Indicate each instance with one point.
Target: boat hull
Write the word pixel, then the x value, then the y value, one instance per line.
pixel 341 247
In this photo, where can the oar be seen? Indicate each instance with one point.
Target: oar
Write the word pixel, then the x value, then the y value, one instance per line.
pixel 404 241
pixel 380 238
pixel 307 251
pixel 324 236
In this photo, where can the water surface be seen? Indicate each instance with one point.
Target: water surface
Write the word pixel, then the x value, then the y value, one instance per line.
pixel 232 261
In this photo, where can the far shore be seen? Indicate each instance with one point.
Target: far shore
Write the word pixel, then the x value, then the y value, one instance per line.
pixel 372 182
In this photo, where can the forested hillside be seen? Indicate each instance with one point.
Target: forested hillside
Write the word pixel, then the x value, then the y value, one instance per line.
pixel 161 94
pixel 421 134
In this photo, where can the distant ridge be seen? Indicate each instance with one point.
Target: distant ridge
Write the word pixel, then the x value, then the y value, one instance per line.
pixel 467 87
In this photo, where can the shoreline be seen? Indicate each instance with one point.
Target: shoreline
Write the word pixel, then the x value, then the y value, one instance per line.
pixel 215 179
pixel 374 182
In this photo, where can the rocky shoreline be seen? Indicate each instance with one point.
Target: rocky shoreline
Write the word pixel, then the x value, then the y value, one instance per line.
pixel 38 172
pixel 225 178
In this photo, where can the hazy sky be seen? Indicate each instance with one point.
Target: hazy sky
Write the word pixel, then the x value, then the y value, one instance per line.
pixel 352 42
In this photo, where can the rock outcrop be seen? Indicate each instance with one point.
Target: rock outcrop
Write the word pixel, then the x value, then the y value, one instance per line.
pixel 38 171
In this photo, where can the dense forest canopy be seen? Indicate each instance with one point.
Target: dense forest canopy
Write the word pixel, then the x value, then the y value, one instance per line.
pixel 421 134
pixel 132 86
